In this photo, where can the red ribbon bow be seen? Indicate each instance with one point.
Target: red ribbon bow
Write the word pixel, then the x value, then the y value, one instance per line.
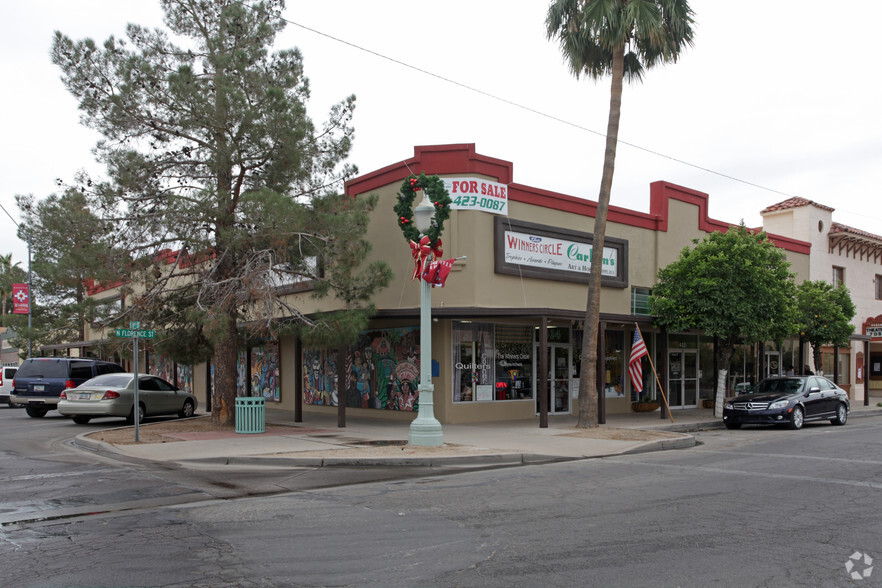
pixel 420 252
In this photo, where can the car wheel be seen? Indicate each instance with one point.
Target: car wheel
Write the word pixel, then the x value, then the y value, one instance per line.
pixel 36 412
pixel 188 410
pixel 131 418
pixel 841 415
pixel 732 425
pixel 82 420
pixel 797 417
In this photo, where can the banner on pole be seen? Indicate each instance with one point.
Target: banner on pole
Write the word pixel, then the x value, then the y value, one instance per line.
pixel 20 298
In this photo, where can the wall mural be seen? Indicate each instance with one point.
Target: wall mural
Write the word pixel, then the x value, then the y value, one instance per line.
pixel 164 368
pixel 265 371
pixel 185 378
pixel 382 371
pixel 241 378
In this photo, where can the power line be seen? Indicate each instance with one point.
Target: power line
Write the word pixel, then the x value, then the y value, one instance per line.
pixel 533 110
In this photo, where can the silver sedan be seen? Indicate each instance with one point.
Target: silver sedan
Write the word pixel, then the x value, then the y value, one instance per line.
pixel 113 395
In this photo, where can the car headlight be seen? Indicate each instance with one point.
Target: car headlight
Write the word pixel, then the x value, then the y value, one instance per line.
pixel 779 404
pixel 728 406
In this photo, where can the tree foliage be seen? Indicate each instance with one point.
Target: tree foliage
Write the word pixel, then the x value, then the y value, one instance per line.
pixel 210 152
pixel 69 249
pixel 735 286
pixel 824 313
pixel 620 38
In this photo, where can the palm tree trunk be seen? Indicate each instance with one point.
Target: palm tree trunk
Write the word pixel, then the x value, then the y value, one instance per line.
pixel 588 378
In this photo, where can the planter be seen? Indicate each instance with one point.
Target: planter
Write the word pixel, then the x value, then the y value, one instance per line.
pixel 644 406
pixel 706 403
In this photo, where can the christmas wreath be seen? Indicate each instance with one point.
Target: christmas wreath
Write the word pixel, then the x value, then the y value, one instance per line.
pixel 437 194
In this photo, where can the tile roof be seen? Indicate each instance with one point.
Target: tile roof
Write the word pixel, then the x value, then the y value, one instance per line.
pixel 794 202
pixel 837 228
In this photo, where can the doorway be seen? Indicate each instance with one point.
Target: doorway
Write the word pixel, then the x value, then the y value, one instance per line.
pixel 773 363
pixel 683 378
pixel 560 367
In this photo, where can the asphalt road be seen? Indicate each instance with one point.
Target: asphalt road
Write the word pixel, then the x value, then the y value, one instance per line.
pixel 755 507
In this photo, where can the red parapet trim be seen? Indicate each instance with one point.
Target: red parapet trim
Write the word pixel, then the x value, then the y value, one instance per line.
pixel 434 160
pixel 462 159
pixel 93 287
pixel 661 193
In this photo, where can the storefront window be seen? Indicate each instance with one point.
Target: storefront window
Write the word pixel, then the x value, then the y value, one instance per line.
pixel 827 359
pixel 473 362
pixel 706 384
pixel 742 369
pixel 614 371
pixel 514 362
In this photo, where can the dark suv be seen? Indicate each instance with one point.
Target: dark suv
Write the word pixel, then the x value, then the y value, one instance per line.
pixel 39 381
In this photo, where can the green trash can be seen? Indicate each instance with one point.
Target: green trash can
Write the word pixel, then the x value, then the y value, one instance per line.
pixel 250 414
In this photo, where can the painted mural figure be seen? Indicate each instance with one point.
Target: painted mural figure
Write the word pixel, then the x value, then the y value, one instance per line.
pixel 377 366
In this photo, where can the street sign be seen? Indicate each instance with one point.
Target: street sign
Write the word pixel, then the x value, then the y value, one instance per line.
pixel 136 333
pixel 134 324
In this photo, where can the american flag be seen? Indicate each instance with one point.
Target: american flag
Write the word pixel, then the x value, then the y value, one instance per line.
pixel 635 365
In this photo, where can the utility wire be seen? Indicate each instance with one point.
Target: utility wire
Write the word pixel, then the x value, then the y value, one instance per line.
pixel 533 110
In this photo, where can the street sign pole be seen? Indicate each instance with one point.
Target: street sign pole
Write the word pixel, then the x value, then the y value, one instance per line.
pixel 136 411
pixel 135 332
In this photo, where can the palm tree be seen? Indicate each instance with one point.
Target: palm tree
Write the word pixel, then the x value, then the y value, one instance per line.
pixel 622 38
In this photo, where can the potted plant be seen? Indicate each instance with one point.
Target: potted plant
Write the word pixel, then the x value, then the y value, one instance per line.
pixel 644 403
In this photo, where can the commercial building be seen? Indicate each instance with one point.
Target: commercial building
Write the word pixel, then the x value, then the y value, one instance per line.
pixel 840 255
pixel 514 304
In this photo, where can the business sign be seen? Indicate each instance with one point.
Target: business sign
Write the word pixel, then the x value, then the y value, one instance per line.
pixel 873 327
pixel 532 250
pixel 477 194
pixel 20 298
pixel 558 254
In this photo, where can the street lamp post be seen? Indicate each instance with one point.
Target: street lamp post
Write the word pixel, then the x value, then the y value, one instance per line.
pixel 425 430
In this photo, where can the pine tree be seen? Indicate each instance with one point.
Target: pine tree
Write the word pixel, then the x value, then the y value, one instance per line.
pixel 68 250
pixel 210 152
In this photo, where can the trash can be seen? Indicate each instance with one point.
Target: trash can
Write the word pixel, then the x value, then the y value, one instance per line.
pixel 250 414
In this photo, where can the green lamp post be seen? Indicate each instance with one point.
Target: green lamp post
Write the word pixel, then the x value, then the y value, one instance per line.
pixel 425 430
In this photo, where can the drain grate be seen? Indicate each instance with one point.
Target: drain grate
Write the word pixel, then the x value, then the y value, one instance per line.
pixel 381 443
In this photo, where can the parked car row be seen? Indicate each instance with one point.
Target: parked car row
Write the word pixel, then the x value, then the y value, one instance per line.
pixel 84 389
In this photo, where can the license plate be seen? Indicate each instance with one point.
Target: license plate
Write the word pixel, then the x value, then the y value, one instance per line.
pixel 83 396
pixel 39 388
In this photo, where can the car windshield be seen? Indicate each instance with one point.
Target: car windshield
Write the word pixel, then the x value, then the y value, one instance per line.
pixel 782 385
pixel 110 380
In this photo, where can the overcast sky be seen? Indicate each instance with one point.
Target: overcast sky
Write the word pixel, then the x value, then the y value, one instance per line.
pixel 776 99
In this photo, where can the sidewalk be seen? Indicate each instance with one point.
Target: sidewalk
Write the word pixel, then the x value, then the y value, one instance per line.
pixel 318 442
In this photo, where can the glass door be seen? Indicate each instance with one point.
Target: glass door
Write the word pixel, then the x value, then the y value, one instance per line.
pixel 559 370
pixel 773 363
pixel 683 379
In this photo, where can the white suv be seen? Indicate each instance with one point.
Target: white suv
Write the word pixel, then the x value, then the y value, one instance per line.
pixel 7 373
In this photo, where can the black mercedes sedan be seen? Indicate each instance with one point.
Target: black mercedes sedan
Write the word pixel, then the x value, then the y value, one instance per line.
pixel 788 400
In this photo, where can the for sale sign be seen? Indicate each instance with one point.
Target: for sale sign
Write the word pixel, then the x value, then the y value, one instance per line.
pixel 477 194
pixel 20 299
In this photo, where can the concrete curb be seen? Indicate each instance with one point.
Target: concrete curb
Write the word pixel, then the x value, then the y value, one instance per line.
pixel 81 441
pixel 502 459
pixel 481 460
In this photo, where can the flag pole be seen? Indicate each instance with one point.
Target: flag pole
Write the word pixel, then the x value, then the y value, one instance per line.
pixel 649 357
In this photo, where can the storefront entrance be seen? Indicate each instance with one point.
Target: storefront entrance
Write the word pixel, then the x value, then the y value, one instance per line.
pixel 559 369
pixel 683 379
pixel 773 363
